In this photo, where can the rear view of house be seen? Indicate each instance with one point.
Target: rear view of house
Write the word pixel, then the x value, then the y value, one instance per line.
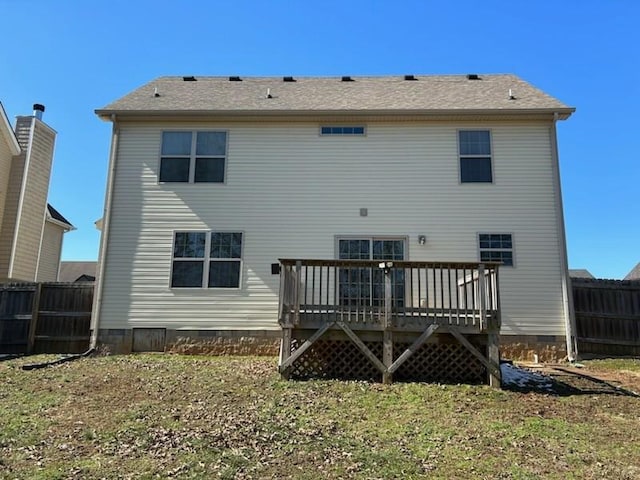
pixel 237 206
pixel 31 230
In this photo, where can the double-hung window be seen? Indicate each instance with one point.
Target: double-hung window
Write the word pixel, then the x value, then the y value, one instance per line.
pixel 475 156
pixel 496 247
pixel 206 260
pixel 193 157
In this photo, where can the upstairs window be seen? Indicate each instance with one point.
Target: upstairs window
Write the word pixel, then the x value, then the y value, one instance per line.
pixel 475 156
pixel 206 260
pixel 193 157
pixel 496 247
pixel 342 130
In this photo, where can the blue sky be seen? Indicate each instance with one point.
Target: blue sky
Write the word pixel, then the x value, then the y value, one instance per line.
pixel 75 56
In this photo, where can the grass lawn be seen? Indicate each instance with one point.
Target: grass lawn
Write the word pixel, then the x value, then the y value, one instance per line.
pixel 166 416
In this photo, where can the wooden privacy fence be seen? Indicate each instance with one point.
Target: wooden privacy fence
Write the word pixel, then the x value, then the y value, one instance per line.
pixel 45 317
pixel 607 316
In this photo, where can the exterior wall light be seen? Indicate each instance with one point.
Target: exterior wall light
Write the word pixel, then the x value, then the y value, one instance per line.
pixel 422 239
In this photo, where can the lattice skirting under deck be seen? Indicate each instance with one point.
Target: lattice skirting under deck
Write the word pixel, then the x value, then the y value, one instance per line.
pixel 433 362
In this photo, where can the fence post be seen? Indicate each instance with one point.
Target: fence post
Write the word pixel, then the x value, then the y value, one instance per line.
pixel 33 323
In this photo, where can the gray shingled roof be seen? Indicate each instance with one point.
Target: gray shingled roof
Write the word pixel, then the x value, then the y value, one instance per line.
pixel 634 274
pixel 427 94
pixel 580 273
pixel 76 271
pixel 56 215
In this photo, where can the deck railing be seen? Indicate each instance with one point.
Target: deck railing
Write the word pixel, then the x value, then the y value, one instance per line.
pixel 389 295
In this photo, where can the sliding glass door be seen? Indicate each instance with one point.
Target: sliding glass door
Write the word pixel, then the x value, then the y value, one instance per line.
pixel 361 286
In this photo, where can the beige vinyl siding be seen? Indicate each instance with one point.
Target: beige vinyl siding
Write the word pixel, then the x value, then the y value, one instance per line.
pixel 50 253
pixel 5 171
pixel 292 192
pixel 34 200
pixel 12 200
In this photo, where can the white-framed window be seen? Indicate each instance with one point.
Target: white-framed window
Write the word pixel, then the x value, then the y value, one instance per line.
pixel 193 156
pixel 206 260
pixel 474 147
pixel 496 247
pixel 342 130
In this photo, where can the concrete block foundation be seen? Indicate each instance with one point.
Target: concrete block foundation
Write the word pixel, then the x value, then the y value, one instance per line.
pixel 548 348
pixel 198 342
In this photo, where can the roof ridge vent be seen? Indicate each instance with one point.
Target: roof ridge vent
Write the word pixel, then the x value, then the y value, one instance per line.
pixel 288 79
pixel 410 77
pixel 235 79
pixel 473 76
pixel 190 78
pixel 347 78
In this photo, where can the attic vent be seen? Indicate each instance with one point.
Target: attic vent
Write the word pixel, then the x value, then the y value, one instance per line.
pixel 189 79
pixel 347 79
pixel 235 79
pixel 288 79
pixel 410 77
pixel 473 76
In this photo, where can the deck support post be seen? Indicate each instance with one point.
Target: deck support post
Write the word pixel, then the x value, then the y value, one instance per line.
pixel 493 352
pixel 285 351
pixel 387 355
pixel 387 335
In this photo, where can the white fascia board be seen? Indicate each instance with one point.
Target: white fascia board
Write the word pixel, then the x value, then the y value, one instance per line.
pixel 8 133
pixel 67 227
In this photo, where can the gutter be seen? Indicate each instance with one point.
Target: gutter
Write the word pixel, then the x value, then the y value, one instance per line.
pixel 567 292
pixel 104 237
pixel 562 113
pixel 66 226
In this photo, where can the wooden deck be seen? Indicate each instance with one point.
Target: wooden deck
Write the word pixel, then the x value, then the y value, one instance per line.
pixel 399 306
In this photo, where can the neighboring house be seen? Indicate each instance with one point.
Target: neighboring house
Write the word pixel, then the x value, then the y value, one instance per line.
pixel 212 180
pixel 30 229
pixel 634 274
pixel 77 272
pixel 55 227
pixel 580 273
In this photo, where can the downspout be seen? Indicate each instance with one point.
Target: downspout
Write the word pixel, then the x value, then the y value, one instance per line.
pixel 59 256
pixel 567 292
pixel 106 215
